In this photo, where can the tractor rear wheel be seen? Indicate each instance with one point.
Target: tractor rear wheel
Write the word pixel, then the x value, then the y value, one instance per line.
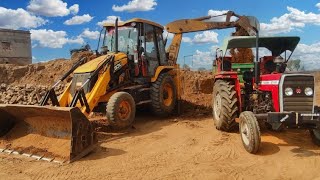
pixel 250 132
pixel 224 105
pixel 315 135
pixel 163 95
pixel 121 110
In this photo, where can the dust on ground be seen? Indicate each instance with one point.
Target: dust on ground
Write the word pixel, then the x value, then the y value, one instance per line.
pixel 179 148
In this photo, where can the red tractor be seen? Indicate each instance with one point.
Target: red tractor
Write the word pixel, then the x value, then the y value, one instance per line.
pixel 267 96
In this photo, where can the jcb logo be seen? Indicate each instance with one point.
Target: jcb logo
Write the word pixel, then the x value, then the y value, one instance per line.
pixel 117 67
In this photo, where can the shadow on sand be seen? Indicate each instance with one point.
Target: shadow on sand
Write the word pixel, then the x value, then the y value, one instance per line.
pixel 299 139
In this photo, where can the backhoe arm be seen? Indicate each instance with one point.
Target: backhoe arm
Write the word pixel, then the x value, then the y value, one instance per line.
pixel 248 23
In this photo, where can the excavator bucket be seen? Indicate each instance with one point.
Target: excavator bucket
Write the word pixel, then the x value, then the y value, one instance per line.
pixel 59 134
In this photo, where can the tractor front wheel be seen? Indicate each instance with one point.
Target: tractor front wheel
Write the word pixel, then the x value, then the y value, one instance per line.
pixel 163 95
pixel 224 105
pixel 315 135
pixel 250 132
pixel 121 110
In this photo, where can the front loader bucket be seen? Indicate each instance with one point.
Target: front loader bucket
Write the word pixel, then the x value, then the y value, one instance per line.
pixel 59 134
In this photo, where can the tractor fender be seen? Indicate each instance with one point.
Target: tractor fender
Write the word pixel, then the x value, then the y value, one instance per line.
pixel 233 77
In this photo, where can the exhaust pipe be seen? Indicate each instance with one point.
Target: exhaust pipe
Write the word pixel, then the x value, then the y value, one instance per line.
pixel 257 63
pixel 116 33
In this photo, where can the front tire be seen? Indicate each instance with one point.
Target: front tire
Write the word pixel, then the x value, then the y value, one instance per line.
pixel 315 136
pixel 224 105
pixel 121 110
pixel 250 132
pixel 163 95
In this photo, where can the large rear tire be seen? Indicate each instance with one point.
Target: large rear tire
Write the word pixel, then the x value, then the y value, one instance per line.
pixel 163 95
pixel 249 132
pixel 121 110
pixel 315 136
pixel 224 105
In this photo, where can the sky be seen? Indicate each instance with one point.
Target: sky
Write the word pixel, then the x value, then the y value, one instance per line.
pixel 57 26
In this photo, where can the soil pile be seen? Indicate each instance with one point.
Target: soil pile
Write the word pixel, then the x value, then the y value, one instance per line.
pixel 44 73
pixel 197 92
pixel 25 94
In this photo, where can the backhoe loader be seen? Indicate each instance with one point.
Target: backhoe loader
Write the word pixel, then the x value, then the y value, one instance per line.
pixel 132 68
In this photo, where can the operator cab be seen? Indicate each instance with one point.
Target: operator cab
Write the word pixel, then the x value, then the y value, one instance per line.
pixel 141 40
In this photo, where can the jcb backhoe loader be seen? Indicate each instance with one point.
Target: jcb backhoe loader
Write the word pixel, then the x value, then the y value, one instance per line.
pixel 131 69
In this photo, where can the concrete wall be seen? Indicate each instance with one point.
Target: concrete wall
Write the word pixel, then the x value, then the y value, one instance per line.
pixel 15 47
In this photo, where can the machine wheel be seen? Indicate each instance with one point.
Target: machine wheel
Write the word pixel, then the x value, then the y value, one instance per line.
pixel 121 110
pixel 315 135
pixel 224 105
pixel 163 95
pixel 250 132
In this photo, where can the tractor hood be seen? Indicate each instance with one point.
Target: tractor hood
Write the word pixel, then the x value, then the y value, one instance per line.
pixel 277 45
pixel 94 64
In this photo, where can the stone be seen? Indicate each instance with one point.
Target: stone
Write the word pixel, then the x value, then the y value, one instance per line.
pixel 13 100
pixel 3 86
pixel 8 96
pixel 19 98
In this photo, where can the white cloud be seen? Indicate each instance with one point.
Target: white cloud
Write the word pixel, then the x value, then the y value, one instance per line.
pixel 186 40
pixel 206 37
pixel 218 14
pixel 202 38
pixel 293 20
pixel 136 5
pixel 53 39
pixel 203 59
pixel 167 35
pixel 318 5
pixel 309 55
pixel 90 34
pixel 52 8
pixel 74 9
pixel 109 19
pixel 75 20
pixel 19 18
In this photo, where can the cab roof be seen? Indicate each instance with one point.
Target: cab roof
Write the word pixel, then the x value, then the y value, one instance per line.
pixel 136 20
pixel 276 44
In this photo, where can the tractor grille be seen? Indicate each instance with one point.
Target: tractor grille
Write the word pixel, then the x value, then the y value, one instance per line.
pixel 299 101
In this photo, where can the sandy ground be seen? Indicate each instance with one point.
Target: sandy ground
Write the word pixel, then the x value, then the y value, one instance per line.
pixel 179 148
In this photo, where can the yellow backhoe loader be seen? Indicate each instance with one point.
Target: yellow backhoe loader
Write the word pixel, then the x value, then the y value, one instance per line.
pixel 132 68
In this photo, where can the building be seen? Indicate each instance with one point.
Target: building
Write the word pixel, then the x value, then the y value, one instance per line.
pixel 15 47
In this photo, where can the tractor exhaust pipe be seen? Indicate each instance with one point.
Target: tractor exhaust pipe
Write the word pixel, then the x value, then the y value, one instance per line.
pixel 116 38
pixel 257 63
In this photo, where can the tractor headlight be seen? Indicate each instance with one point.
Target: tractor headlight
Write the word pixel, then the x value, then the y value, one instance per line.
pixel 308 91
pixel 288 91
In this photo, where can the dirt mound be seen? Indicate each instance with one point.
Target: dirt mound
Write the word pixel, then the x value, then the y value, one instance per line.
pixel 43 73
pixel 197 92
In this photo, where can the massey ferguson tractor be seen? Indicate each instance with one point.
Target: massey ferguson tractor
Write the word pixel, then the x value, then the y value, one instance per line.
pixel 267 96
